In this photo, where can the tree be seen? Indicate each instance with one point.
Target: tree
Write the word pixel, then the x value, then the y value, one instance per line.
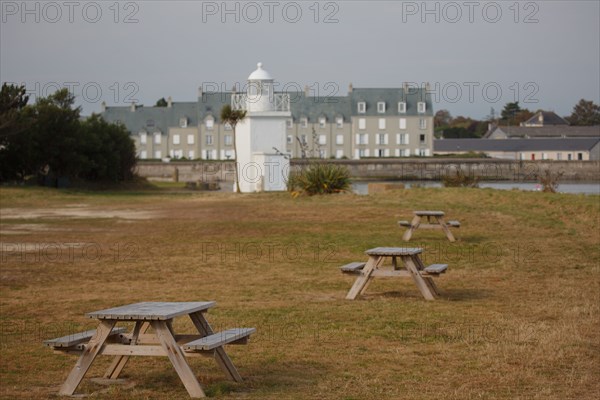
pixel 15 144
pixel 161 102
pixel 233 117
pixel 442 118
pixel 585 113
pixel 513 114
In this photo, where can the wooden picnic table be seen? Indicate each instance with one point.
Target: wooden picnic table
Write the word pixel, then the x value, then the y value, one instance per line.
pixel 413 267
pixel 162 341
pixel 435 220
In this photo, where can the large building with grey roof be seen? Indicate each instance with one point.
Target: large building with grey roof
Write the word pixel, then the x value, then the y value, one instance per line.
pixel 366 122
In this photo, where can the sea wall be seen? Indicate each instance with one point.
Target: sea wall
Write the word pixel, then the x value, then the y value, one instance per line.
pixel 387 169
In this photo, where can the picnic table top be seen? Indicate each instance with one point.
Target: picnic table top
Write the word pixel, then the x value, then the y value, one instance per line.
pixel 394 251
pixel 431 213
pixel 152 310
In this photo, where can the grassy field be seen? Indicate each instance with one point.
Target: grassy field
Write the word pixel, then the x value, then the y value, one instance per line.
pixel 518 317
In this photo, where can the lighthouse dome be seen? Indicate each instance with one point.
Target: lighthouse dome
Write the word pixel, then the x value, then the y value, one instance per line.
pixel 260 74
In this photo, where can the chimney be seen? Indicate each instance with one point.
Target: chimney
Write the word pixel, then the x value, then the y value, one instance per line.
pixel 169 102
pixel 199 91
pixel 102 106
pixel 306 90
pixel 350 88
pixel 132 108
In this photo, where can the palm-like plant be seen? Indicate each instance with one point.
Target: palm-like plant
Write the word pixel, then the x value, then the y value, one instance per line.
pixel 233 117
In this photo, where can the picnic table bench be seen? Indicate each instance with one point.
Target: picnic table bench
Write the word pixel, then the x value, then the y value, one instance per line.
pixel 162 341
pixel 413 267
pixel 435 220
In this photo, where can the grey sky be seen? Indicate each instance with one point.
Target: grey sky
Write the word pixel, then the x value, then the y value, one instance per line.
pixel 544 53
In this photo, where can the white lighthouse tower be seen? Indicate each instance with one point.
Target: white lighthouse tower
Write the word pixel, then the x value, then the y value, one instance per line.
pixel 261 136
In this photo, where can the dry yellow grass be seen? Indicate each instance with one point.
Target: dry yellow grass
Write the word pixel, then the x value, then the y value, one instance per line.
pixel 518 317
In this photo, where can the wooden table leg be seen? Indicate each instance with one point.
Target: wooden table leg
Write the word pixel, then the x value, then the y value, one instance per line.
pixel 446 230
pixel 87 357
pixel 119 362
pixel 428 280
pixel 414 224
pixel 361 283
pixel 413 268
pixel 221 357
pixel 177 357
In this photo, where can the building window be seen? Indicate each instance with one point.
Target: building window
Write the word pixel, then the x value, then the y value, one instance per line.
pixel 544 156
pixel 228 154
pixel 363 153
pixel 362 123
pixel 289 139
pixel 421 107
pixel 322 121
pixel 422 152
pixel 210 123
pixel 422 139
pixel 402 123
pixel 569 157
pixel 304 122
pixel 157 154
pixel 339 153
pixel 559 156
pixel 381 123
pixel 381 138
pixel 322 139
pixel 228 140
pixel 339 122
pixel 402 138
pixel 143 154
pixel 183 122
pixel 209 140
pixel 422 123
pixel 157 138
pixel 402 107
pixel 580 156
pixel 289 123
pixel 190 139
pixel 191 154
pixel 381 107
pixel 143 138
pixel 362 107
pixel 339 140
pixel 322 154
pixel 227 126
pixel 363 138
pixel 175 139
pixel 303 139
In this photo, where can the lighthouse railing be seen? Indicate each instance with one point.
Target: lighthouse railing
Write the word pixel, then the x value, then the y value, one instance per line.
pixel 281 101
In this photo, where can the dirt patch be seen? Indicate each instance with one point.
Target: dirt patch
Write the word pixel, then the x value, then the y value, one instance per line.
pixel 75 212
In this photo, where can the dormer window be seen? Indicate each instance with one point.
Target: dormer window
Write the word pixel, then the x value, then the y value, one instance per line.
pixel 421 107
pixel 227 126
pixel 322 121
pixel 304 122
pixel 339 122
pixel 210 123
pixel 289 123
pixel 402 107
pixel 362 107
pixel 381 107
pixel 183 122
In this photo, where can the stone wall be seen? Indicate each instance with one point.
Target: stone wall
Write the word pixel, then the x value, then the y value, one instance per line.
pixel 387 169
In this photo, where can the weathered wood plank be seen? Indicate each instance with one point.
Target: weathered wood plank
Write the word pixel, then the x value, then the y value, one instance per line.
pixel 393 251
pixel 353 267
pixel 436 268
pixel 425 213
pixel 453 224
pixel 77 338
pixel 151 311
pixel 219 339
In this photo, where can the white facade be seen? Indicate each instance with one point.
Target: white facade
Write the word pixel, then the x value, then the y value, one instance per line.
pixel 261 136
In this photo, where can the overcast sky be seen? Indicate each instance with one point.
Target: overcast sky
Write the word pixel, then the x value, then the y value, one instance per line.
pixel 476 55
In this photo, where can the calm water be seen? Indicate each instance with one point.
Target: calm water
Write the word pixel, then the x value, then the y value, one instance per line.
pixel 567 187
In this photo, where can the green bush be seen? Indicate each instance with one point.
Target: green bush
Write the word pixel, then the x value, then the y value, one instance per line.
pixel 319 178
pixel 460 179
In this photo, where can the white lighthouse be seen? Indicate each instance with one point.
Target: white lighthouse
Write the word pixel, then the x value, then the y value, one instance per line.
pixel 261 136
